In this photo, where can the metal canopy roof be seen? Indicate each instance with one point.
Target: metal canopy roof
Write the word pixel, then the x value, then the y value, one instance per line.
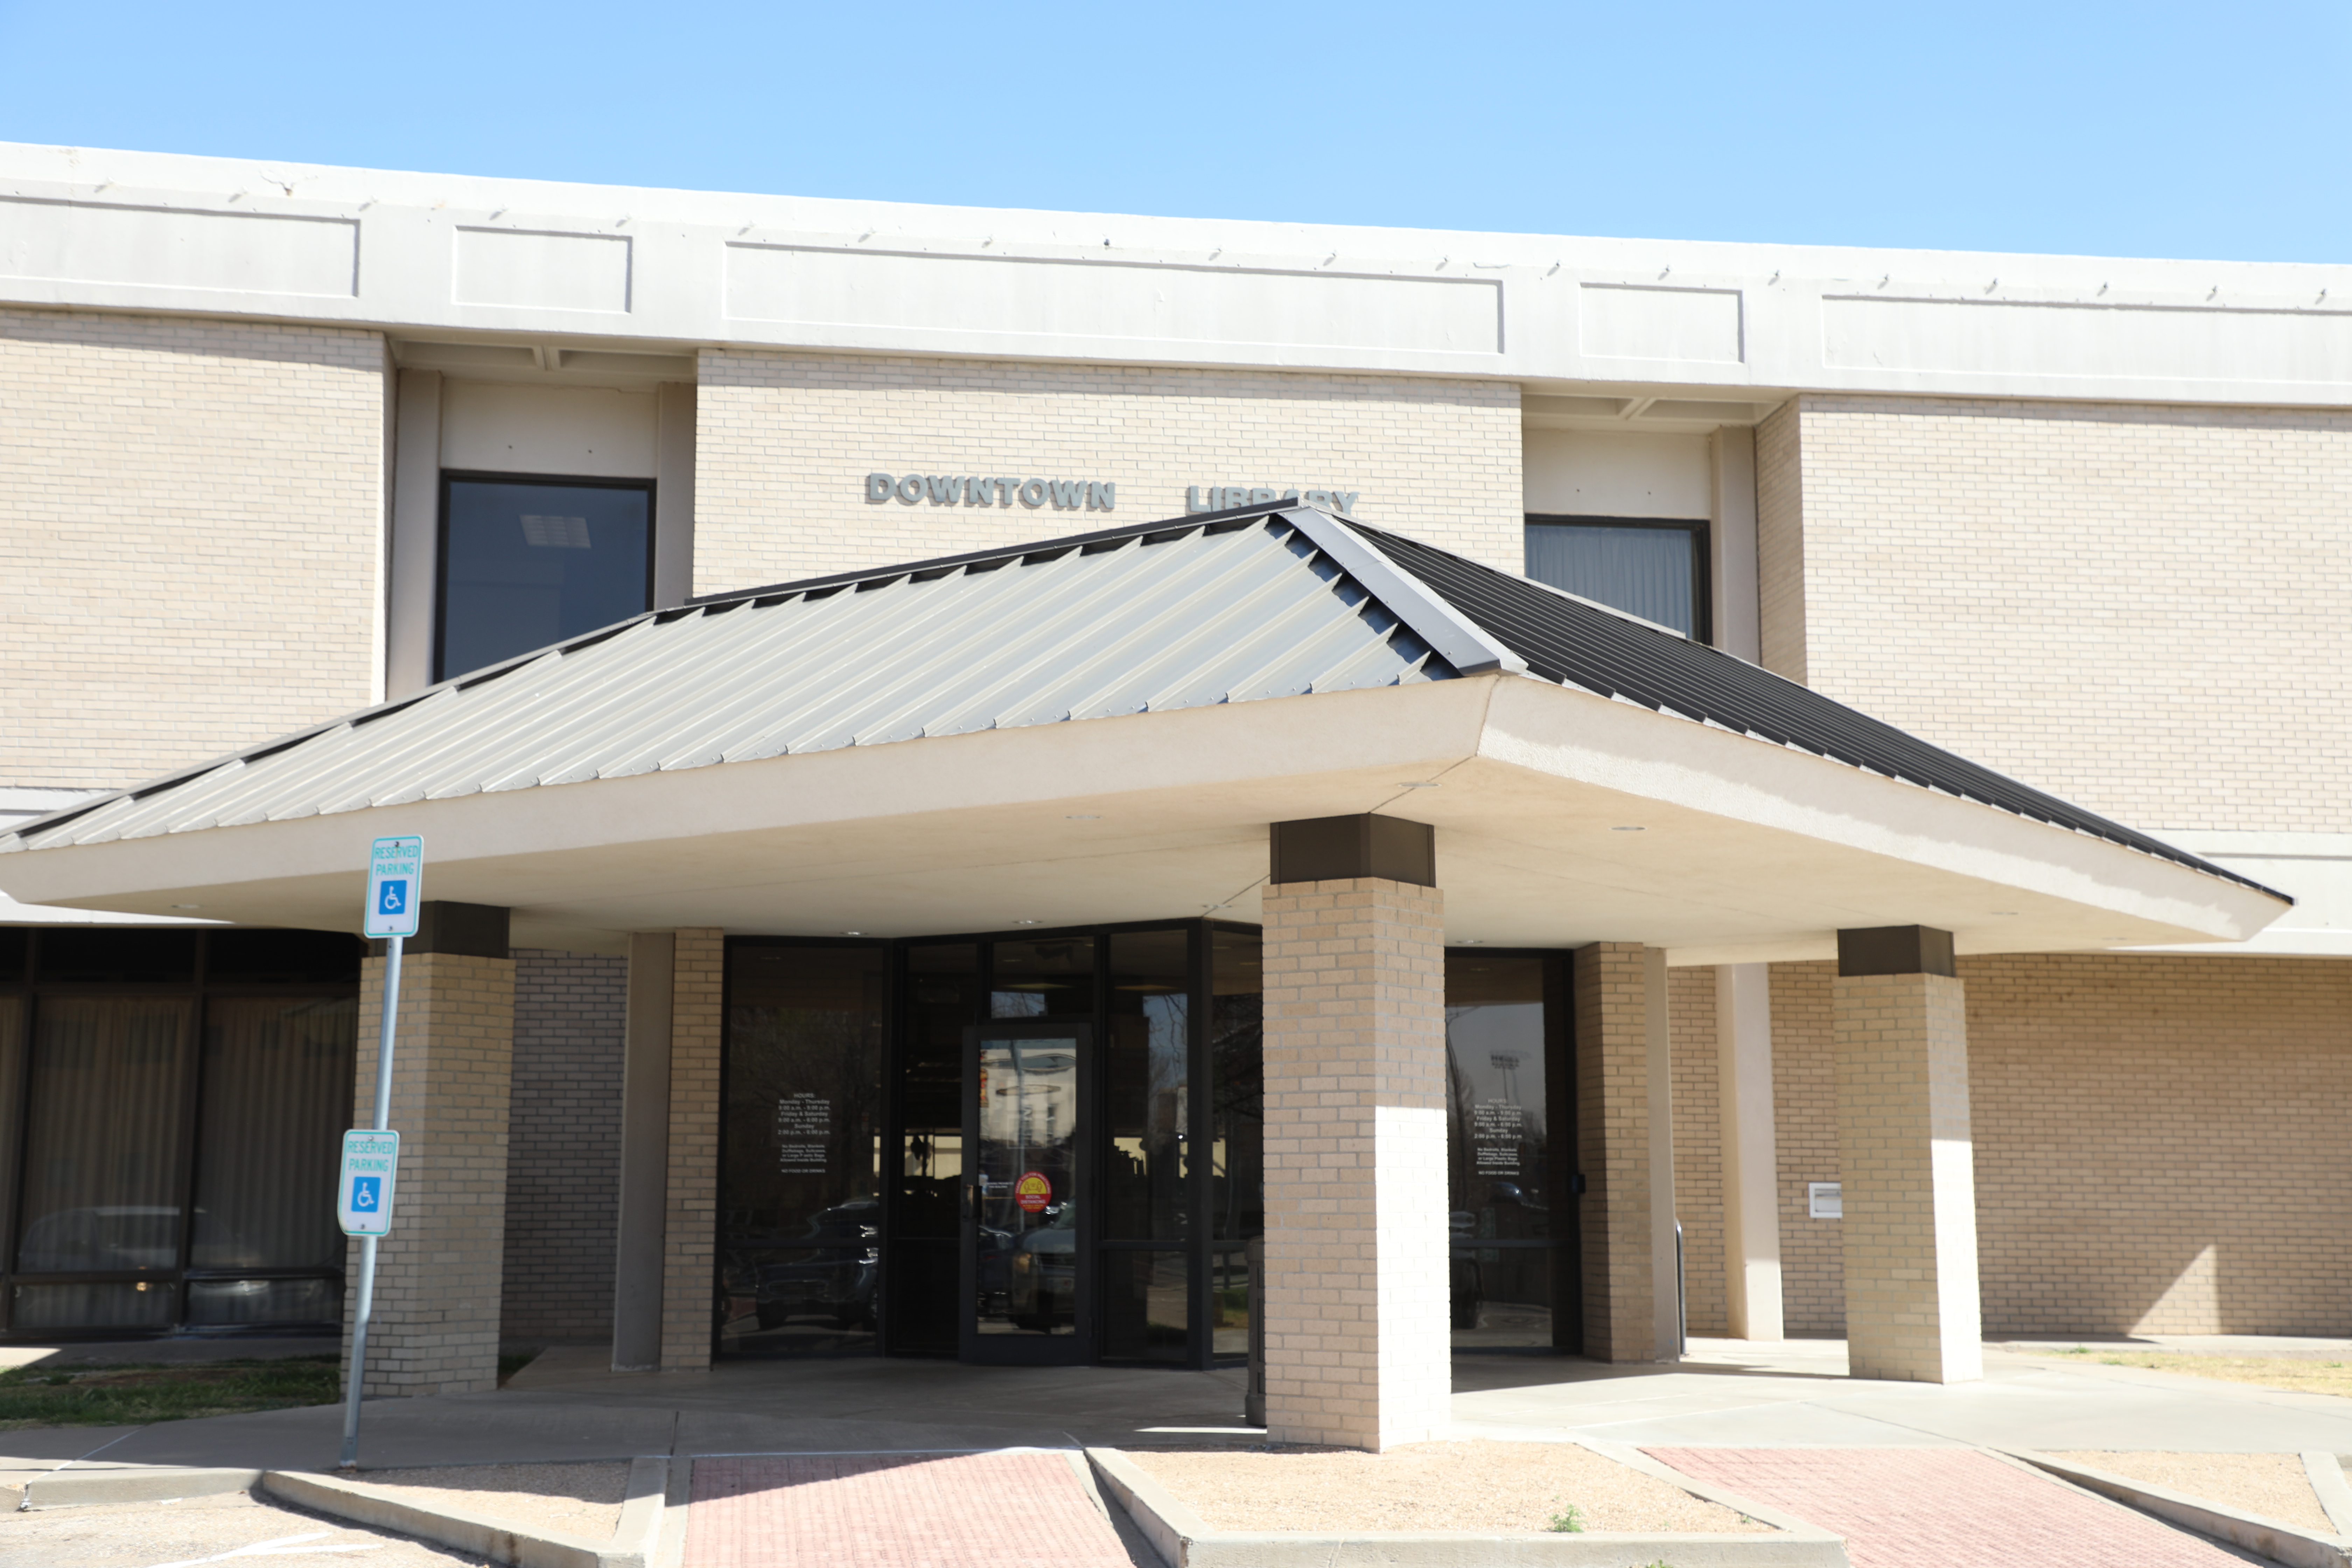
pixel 1226 607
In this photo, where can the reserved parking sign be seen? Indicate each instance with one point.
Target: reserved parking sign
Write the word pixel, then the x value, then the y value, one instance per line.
pixel 364 1193
pixel 395 885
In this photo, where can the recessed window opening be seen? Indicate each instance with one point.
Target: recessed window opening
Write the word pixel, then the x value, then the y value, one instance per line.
pixel 530 561
pixel 1650 567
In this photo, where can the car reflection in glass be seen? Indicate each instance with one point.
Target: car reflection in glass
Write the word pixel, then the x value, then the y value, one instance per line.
pixel 1043 1297
pixel 836 1282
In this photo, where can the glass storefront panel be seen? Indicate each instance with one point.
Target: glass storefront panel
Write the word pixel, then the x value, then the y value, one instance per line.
pixel 939 997
pixel 1499 1150
pixel 1236 1085
pixel 1230 1304
pixel 1147 1088
pixel 12 1079
pixel 800 1186
pixel 1028 1170
pixel 1050 977
pixel 277 1083
pixel 1147 1305
pixel 105 1135
pixel 1496 1149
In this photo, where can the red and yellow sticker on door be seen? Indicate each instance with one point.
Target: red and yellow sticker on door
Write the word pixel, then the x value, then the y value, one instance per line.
pixel 1033 1192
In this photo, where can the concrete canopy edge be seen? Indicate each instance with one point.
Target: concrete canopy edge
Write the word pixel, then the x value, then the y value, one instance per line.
pixel 1747 850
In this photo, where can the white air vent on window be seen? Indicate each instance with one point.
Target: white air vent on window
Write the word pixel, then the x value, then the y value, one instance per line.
pixel 556 532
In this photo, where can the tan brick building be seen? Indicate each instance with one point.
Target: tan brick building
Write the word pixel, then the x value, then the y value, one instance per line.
pixel 1785 1021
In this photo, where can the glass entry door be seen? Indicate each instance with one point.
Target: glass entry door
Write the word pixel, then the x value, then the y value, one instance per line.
pixel 1026 1299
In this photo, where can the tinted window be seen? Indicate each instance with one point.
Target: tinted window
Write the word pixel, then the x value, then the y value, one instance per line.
pixel 1653 570
pixel 249 957
pixel 110 955
pixel 526 564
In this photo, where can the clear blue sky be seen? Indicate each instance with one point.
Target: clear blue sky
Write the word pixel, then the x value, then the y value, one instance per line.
pixel 2148 130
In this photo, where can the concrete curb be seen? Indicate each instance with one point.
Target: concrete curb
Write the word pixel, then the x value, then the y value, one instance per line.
pixel 632 1545
pixel 2326 1473
pixel 79 1488
pixel 2281 1543
pixel 1183 1539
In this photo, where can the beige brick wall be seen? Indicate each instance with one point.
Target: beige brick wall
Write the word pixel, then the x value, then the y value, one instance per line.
pixel 1804 1130
pixel 1358 1347
pixel 1612 1144
pixel 2161 1143
pixel 191 516
pixel 2138 608
pixel 785 441
pixel 564 1149
pixel 2157 1144
pixel 690 1223
pixel 435 1329
pixel 1698 1147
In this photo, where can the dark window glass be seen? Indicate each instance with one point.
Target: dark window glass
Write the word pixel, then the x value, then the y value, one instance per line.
pixel 1653 570
pixel 524 565
pixel 1499 1150
pixel 1496 1148
pixel 103 1137
pixel 1236 1085
pixel 1147 1089
pixel 800 1191
pixel 1053 977
pixel 942 998
pixel 146 1304
pixel 16 946
pixel 110 955
pixel 276 1090
pixel 240 1303
pixel 288 957
pixel 12 1079
pixel 1229 1300
pixel 1147 1305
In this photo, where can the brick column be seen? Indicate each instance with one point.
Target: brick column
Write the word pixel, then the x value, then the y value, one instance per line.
pixel 690 1217
pixel 1625 1143
pixel 1906 1158
pixel 436 1323
pixel 1358 1341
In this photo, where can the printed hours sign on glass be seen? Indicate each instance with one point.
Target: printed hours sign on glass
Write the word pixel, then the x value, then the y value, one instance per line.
pixel 803 1134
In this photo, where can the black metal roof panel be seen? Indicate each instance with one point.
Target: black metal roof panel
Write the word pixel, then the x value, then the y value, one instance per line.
pixel 1566 640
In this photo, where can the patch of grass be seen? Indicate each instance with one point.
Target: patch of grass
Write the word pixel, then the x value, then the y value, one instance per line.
pixel 1569 1520
pixel 2299 1374
pixel 138 1393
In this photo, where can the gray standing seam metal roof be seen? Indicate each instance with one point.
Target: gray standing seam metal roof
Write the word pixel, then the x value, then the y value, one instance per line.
pixel 1232 606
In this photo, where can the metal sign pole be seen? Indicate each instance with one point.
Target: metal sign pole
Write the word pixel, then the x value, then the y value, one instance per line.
pixel 366 1302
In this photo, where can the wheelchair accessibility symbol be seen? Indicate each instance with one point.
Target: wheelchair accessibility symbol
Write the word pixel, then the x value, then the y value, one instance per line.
pixel 392 899
pixel 367 1195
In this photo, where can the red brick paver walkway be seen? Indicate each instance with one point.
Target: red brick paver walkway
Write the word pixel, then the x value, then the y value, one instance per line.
pixel 1945 1508
pixel 896 1510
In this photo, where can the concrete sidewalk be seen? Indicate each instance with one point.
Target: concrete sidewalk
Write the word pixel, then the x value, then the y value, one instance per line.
pixel 568 1404
pixel 1732 1394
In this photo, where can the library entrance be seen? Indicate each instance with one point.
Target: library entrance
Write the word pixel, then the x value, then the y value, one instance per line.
pixel 1044 1148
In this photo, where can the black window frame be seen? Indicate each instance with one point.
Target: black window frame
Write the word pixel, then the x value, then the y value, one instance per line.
pixel 1701 531
pixel 485 475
